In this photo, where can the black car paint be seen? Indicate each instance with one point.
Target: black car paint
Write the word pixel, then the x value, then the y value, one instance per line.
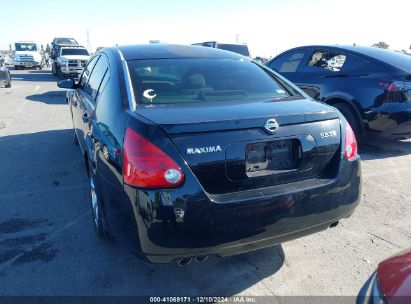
pixel 166 224
pixel 356 86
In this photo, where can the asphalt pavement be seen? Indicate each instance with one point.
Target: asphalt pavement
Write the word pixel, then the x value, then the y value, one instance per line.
pixel 48 246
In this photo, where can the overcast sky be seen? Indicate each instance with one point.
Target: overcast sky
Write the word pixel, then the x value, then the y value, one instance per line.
pixel 267 26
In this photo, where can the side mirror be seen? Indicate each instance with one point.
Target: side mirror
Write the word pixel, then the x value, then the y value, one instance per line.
pixel 66 84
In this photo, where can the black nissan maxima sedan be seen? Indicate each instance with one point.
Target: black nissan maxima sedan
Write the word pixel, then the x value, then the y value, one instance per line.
pixel 370 86
pixel 194 151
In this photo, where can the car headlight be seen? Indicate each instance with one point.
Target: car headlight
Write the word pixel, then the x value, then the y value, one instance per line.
pixel 16 59
pixel 64 63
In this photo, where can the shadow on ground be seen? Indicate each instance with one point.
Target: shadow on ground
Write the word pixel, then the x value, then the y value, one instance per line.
pixel 48 72
pixel 378 147
pixel 48 245
pixel 33 76
pixel 51 97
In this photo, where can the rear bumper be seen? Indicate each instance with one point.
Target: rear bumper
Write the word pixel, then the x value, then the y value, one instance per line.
pixel 162 226
pixel 4 81
pixel 392 120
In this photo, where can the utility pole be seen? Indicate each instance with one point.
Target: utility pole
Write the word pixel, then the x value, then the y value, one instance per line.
pixel 88 40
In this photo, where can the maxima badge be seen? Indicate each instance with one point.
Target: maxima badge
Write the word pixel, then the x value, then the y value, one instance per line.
pixel 271 126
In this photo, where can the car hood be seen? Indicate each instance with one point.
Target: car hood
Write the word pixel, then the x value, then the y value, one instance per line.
pixel 75 57
pixel 394 276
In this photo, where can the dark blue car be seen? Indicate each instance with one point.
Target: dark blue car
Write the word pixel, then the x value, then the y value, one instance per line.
pixel 194 151
pixel 370 86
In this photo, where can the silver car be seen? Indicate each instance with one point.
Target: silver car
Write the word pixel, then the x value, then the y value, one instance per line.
pixel 5 78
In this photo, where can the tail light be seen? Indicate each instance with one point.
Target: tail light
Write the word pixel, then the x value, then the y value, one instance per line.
pixel 146 166
pixel 351 146
pixel 395 90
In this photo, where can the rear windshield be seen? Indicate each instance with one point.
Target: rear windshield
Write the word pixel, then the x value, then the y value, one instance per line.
pixel 196 80
pixel 236 48
pixel 398 60
pixel 65 52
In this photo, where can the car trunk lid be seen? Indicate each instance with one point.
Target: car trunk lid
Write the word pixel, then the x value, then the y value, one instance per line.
pixel 229 150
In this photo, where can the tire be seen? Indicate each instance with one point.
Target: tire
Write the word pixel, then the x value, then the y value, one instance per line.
pixel 75 139
pixel 60 73
pixel 96 209
pixel 9 84
pixel 349 114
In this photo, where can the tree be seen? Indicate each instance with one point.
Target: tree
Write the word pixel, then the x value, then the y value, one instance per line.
pixel 381 45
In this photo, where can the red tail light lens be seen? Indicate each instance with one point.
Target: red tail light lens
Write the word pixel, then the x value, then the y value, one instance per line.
pixel 350 147
pixel 146 166
pixel 394 90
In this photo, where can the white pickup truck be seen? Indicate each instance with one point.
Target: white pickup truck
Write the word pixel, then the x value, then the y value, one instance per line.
pixel 70 62
pixel 27 55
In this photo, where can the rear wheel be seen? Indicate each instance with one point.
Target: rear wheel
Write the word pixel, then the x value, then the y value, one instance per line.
pixel 53 69
pixel 96 209
pixel 75 139
pixel 9 84
pixel 60 73
pixel 350 116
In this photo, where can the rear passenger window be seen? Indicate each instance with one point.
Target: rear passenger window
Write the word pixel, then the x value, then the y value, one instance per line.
pixel 288 63
pixel 353 63
pixel 327 60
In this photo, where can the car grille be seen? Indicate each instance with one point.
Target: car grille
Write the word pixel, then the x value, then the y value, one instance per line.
pixel 77 63
pixel 26 58
pixel 73 63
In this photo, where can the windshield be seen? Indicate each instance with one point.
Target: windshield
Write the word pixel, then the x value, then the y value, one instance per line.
pixel 65 41
pixel 241 49
pixel 31 47
pixel 196 80
pixel 65 52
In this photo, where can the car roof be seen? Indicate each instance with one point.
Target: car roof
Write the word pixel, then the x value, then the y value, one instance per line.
pixel 222 42
pixel 395 59
pixel 174 51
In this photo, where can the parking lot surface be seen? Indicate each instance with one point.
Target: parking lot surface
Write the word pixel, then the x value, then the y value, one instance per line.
pixel 48 246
